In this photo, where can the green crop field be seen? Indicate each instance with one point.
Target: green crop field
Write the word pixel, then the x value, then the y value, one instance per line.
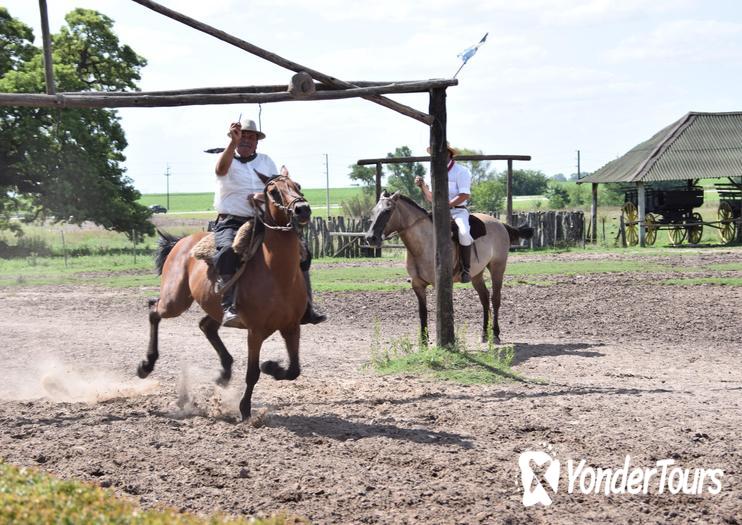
pixel 201 202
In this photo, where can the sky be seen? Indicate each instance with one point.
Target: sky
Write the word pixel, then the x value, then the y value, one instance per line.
pixel 554 77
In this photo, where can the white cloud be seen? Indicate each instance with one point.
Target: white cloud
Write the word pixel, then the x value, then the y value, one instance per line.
pixel 684 40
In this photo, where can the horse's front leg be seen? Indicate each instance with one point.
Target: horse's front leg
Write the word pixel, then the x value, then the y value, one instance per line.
pixel 145 367
pixel 479 285
pixel 419 287
pixel 255 340
pixel 272 368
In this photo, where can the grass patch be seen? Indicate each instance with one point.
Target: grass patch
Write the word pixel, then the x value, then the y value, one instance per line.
pixel 721 281
pixel 458 364
pixel 29 497
pixel 722 267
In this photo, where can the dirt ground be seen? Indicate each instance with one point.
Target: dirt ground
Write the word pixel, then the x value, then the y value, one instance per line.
pixel 624 366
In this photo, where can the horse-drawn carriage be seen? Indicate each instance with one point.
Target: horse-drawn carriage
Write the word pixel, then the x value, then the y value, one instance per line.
pixel 670 208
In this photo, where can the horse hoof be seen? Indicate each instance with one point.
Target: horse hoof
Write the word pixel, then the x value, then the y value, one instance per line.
pixel 143 370
pixel 223 380
pixel 272 368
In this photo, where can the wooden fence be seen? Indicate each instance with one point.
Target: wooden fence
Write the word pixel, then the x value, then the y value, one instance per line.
pixel 551 228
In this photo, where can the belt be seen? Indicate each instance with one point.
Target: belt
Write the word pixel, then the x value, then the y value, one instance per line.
pixel 460 207
pixel 225 216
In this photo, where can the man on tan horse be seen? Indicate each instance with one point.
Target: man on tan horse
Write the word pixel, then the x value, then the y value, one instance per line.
pixel 237 177
pixel 459 191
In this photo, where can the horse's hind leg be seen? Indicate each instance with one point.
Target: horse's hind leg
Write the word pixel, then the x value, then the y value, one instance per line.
pixel 478 283
pixel 210 328
pixel 146 366
pixel 497 278
pixel 272 368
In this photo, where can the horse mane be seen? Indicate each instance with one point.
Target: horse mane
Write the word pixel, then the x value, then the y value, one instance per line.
pixel 408 200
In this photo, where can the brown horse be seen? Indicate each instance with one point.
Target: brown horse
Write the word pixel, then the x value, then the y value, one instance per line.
pixel 399 214
pixel 271 295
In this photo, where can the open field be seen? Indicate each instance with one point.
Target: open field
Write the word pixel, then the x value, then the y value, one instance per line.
pixel 615 360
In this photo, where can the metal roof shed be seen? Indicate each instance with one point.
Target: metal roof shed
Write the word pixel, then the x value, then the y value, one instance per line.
pixel 697 146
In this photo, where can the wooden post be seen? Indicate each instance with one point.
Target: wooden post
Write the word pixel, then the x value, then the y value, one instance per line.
pixel 642 201
pixel 378 181
pixel 509 211
pixel 445 334
pixel 594 214
pixel 47 40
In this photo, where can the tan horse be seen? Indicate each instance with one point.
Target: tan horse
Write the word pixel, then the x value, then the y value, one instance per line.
pixel 399 214
pixel 271 295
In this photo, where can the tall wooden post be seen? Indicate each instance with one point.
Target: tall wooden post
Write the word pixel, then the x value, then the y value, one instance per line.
pixel 47 40
pixel 594 214
pixel 445 334
pixel 641 197
pixel 509 209
pixel 378 181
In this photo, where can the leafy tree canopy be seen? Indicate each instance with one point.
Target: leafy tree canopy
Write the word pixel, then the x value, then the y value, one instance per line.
pixel 65 165
pixel 365 176
pixel 402 177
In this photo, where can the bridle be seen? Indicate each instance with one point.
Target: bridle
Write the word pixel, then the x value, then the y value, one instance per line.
pixel 288 209
pixel 399 230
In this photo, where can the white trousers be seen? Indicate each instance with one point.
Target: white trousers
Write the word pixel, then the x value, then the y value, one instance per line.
pixel 461 218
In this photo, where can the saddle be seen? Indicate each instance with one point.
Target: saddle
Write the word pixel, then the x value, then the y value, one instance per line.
pixel 246 243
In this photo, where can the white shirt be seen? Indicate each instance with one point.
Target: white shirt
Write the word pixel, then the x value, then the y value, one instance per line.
pixel 459 181
pixel 232 189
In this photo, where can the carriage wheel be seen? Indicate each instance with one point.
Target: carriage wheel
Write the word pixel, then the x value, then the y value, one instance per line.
pixel 695 232
pixel 727 228
pixel 631 215
pixel 676 234
pixel 650 224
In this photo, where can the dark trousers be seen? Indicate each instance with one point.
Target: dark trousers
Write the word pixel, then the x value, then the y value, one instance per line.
pixel 225 260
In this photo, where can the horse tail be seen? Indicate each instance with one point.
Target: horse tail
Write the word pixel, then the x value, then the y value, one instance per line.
pixel 165 246
pixel 523 232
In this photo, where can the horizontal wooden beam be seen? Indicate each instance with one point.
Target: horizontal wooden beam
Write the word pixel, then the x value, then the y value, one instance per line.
pixel 139 99
pixel 407 160
pixel 280 61
pixel 272 88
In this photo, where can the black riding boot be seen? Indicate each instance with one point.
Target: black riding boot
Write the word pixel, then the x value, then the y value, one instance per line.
pixel 231 318
pixel 310 315
pixel 465 263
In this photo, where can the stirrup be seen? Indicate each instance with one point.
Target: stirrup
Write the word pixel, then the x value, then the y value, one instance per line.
pixel 465 276
pixel 231 319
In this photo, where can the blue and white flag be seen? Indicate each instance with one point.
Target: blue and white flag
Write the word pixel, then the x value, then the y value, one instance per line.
pixel 466 54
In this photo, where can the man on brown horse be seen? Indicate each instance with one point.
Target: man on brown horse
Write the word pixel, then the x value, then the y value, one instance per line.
pixel 237 177
pixel 459 191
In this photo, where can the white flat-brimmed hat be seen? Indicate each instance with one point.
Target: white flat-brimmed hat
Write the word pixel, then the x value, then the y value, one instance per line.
pixel 249 125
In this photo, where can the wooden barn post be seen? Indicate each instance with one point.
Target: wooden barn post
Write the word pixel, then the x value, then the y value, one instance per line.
pixel 509 209
pixel 641 197
pixel 378 181
pixel 594 214
pixel 445 334
pixel 47 40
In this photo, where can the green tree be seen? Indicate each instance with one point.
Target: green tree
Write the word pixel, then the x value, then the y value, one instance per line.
pixel 65 165
pixel 488 196
pixel 365 176
pixel 529 182
pixel 402 177
pixel 480 169
pixel 558 196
